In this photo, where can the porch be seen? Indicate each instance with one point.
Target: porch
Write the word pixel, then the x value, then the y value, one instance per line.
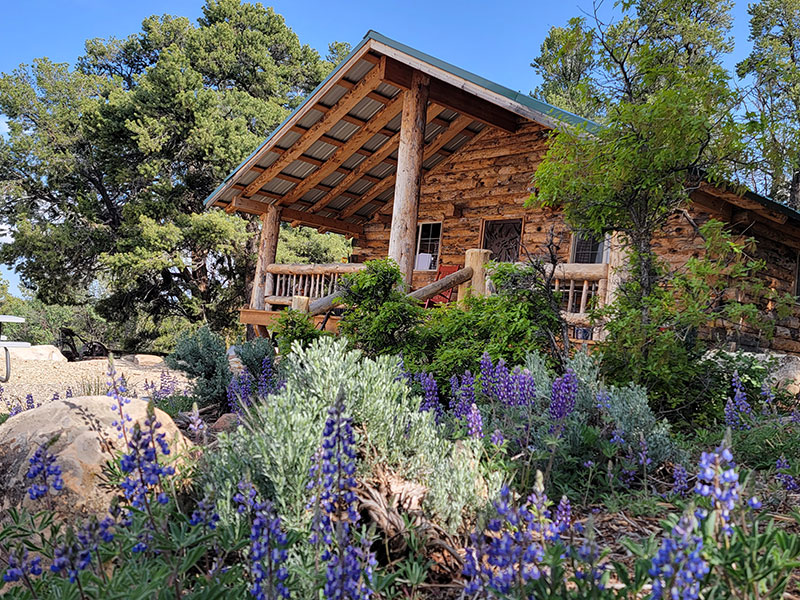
pixel 312 289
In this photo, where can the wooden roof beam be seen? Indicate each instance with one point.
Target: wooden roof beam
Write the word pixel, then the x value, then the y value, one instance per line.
pixel 388 147
pixel 458 125
pixel 335 225
pixel 358 139
pixel 330 118
pixel 454 98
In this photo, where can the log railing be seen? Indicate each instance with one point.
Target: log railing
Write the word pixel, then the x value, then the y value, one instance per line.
pixel 579 285
pixel 311 281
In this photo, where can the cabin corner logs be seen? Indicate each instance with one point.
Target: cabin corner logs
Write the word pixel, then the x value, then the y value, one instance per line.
pixel 489 180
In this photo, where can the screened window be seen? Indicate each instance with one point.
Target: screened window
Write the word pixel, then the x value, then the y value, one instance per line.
pixel 587 248
pixel 429 237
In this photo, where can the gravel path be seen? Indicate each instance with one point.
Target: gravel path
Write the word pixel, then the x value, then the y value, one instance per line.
pixel 44 378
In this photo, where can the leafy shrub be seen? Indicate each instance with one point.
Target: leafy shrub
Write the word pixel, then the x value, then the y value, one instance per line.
pixel 379 317
pixel 202 354
pixel 661 340
pixel 254 352
pixel 295 326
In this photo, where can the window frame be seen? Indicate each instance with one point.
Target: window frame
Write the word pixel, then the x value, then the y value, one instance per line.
pixel 418 241
pixel 796 286
pixel 606 242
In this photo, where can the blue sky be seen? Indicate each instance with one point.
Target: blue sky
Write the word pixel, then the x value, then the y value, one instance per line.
pixel 494 39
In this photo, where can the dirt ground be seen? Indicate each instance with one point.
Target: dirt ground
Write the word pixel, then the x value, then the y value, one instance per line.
pixel 44 378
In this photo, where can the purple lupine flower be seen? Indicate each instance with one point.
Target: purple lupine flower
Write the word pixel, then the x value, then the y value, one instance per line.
pixel 463 395
pixel 240 391
pixel 680 480
pixel 563 517
pixel 349 567
pixel 55 397
pixel 737 409
pixel 29 403
pixel 754 503
pixel 503 385
pixel 474 422
pixel 487 376
pixel 268 382
pixel 45 473
pixel 70 558
pixel 718 480
pixel 618 438
pixel 512 556
pixel 267 551
pixel 21 567
pixel 498 439
pixel 787 480
pixel 69 393
pixel 562 399
pixel 603 400
pixel 205 514
pixel 644 459
pixel 196 424
pixel 145 474
pixel 116 390
pixel 406 375
pixel 795 417
pixel 430 394
pixel 678 567
pixel 525 385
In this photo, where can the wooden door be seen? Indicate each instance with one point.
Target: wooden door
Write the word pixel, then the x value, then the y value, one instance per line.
pixel 503 239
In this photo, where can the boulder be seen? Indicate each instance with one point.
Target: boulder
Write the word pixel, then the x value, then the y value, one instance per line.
pixel 226 423
pixel 43 352
pixel 786 372
pixel 87 440
pixel 148 360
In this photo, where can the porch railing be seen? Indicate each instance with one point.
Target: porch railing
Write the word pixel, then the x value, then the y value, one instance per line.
pixel 285 281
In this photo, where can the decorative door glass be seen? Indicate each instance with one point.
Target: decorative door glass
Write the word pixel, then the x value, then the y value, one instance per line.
pixel 503 239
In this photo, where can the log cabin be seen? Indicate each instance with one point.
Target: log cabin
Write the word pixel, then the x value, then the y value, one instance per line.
pixel 422 162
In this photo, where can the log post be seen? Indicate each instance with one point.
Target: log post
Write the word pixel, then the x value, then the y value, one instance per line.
pixel 301 303
pixel 617 258
pixel 410 155
pixel 264 282
pixel 477 260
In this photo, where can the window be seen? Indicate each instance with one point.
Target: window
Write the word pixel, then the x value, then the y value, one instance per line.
pixel 586 248
pixel 797 276
pixel 503 238
pixel 429 237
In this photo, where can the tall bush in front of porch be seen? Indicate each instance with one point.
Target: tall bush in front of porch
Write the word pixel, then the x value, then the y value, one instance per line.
pixel 381 319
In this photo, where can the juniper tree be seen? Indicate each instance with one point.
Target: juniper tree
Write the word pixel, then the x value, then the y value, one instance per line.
pixel 106 165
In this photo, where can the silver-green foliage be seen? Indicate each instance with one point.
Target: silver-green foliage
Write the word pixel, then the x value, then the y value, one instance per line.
pixel 281 433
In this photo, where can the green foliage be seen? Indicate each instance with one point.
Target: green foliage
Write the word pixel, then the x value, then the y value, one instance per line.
pixel 281 435
pixel 294 326
pixel 307 245
pixel 449 339
pixel 380 318
pixel 656 75
pixel 202 354
pixel 773 109
pixel 106 165
pixel 667 352
pixel 253 353
pixel 565 63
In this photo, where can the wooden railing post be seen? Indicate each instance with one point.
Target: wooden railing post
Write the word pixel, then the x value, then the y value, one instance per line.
pixel 477 260
pixel 301 303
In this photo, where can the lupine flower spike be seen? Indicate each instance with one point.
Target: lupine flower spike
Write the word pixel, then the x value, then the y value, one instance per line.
pixel 44 472
pixel 267 554
pixel 349 566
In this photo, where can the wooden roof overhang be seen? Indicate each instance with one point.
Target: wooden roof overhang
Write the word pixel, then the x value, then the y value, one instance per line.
pixel 331 164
